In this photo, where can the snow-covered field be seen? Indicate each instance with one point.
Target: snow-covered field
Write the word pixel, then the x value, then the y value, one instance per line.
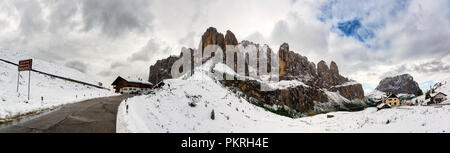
pixel 54 91
pixel 186 106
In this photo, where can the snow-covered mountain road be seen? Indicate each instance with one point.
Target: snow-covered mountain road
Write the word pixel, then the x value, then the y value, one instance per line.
pixel 91 116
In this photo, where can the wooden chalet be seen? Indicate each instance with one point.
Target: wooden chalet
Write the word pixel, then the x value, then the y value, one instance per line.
pixel 392 100
pixel 438 97
pixel 130 85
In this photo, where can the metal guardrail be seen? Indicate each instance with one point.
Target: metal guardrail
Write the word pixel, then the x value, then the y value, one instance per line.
pixel 59 77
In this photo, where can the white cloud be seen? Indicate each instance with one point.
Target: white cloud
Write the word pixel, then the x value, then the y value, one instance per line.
pixel 103 34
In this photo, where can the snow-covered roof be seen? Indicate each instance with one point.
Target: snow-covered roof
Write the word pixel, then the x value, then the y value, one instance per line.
pixel 383 105
pixel 134 80
pixel 432 95
pixel 137 80
pixel 392 96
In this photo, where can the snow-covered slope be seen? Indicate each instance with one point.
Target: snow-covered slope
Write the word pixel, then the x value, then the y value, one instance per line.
pixel 186 105
pixel 376 95
pixel 47 67
pixel 441 86
pixel 53 91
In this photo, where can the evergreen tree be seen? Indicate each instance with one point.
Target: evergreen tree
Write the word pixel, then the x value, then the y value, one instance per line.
pixel 420 92
pixel 213 116
pixel 427 95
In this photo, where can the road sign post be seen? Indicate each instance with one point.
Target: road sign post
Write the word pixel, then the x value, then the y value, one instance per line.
pixel 25 65
pixel 18 76
pixel 29 79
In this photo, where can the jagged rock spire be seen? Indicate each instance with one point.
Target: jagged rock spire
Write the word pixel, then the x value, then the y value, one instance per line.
pixel 334 68
pixel 230 39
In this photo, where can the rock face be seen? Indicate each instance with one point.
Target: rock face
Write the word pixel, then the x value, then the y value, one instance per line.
pixel 292 66
pixel 329 76
pixel 162 69
pixel 334 68
pixel 230 39
pixel 351 92
pixel 299 98
pixel 399 84
pixel 212 37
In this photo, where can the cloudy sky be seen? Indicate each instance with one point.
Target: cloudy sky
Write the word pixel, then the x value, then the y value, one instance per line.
pixel 369 39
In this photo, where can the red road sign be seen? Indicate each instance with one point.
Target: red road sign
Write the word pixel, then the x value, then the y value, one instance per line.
pixel 25 65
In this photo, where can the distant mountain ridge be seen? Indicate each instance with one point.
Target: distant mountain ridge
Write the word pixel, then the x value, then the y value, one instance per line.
pixel 400 84
pixel 322 85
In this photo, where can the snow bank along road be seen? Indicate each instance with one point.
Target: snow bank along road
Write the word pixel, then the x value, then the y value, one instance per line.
pixel 91 116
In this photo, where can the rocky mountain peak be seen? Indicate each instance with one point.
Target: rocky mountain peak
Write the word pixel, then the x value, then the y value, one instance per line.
pixel 292 66
pixel 322 69
pixel 284 47
pixel 212 37
pixel 230 39
pixel 334 68
pixel 404 84
pixel 330 76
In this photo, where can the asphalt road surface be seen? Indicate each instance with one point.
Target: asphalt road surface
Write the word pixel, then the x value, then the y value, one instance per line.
pixel 91 116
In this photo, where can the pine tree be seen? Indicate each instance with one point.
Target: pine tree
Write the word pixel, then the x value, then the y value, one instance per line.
pixel 427 95
pixel 213 116
pixel 420 92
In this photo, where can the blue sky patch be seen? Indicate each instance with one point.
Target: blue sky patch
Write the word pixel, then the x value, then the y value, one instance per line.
pixel 326 10
pixel 354 28
pixel 425 86
pixel 360 19
pixel 398 6
pixel 367 88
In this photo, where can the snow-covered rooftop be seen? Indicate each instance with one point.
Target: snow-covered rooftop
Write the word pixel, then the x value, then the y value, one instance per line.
pixel 137 80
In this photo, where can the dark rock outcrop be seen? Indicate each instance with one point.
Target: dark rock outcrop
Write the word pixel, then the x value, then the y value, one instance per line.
pixel 351 92
pixel 294 66
pixel 212 37
pixel 334 68
pixel 399 84
pixel 230 39
pixel 324 74
pixel 329 76
pixel 299 98
pixel 162 69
